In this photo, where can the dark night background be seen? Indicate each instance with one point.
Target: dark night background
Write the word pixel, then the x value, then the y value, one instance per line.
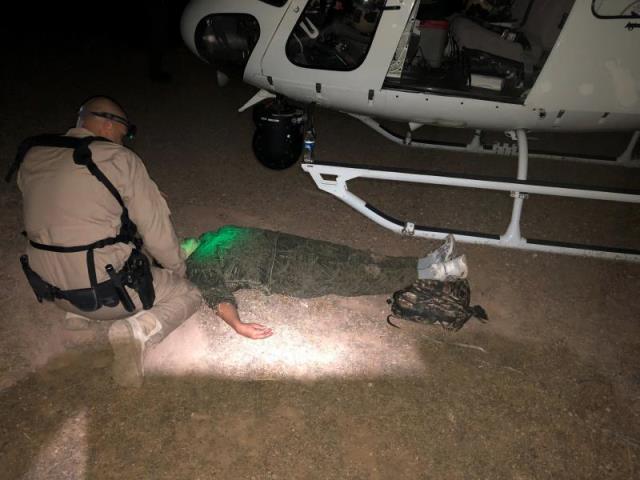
pixel 80 24
pixel 44 27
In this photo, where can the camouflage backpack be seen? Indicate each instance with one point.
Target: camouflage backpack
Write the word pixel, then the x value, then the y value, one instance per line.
pixel 436 302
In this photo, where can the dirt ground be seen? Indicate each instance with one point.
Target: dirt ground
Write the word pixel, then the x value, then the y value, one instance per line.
pixel 549 388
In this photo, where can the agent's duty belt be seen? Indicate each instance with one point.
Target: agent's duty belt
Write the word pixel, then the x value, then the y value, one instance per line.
pixel 135 274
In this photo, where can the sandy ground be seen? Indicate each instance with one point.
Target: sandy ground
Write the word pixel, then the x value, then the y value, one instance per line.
pixel 549 388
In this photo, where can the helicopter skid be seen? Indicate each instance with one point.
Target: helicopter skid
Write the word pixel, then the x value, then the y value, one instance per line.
pixel 625 159
pixel 332 178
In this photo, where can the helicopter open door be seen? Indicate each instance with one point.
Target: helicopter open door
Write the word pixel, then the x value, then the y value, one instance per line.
pixel 485 50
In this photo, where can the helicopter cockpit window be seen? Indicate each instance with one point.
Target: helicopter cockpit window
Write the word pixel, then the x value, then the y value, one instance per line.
pixel 334 34
pixel 616 8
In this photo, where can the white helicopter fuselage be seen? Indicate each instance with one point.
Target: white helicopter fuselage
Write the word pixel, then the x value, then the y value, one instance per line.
pixel 562 65
pixel 589 82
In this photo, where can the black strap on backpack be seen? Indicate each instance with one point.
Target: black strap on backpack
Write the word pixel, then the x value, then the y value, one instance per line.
pixel 128 229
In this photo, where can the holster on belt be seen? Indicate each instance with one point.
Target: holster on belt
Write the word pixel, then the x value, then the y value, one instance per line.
pixel 140 278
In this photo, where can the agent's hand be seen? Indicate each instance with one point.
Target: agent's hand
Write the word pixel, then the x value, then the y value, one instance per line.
pixel 253 330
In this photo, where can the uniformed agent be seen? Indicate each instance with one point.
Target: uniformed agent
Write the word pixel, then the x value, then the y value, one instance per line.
pixel 90 211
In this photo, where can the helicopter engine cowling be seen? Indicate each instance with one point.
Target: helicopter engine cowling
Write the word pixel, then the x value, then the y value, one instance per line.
pixel 278 139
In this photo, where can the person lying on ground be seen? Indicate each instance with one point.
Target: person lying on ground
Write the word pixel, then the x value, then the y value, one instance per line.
pixel 232 258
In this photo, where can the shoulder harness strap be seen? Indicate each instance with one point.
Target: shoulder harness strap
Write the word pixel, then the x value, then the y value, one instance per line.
pixel 81 156
pixel 46 140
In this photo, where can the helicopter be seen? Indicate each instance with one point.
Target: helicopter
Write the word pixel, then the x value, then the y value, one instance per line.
pixel 516 66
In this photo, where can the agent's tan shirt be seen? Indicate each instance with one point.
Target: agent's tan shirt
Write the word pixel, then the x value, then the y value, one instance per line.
pixel 65 205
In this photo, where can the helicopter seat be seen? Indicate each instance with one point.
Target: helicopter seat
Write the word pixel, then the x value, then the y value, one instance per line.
pixel 470 35
pixel 529 45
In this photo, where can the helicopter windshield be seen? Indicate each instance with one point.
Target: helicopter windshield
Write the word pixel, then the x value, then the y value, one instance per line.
pixel 334 34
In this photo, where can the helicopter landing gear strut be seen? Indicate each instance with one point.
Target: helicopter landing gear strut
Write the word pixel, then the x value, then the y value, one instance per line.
pixel 625 159
pixel 332 178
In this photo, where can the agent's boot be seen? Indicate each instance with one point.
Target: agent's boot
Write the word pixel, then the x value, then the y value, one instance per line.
pixel 452 269
pixel 441 254
pixel 128 338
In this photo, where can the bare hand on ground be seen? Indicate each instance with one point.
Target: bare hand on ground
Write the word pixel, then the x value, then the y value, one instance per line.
pixel 254 330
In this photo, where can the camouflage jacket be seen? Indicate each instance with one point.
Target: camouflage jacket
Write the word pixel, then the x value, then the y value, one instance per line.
pixel 233 258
